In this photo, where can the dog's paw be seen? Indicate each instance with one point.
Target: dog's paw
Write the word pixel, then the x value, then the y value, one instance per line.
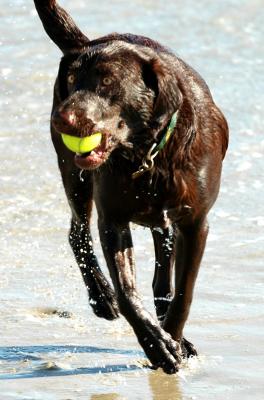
pixel 162 351
pixel 187 348
pixel 102 298
pixel 104 304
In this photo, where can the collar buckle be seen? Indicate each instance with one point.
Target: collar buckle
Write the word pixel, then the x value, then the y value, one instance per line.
pixel 147 162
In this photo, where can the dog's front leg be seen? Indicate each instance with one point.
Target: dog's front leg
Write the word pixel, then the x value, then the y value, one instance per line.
pixel 118 249
pixel 190 246
pixel 101 296
pixel 164 244
pixel 80 196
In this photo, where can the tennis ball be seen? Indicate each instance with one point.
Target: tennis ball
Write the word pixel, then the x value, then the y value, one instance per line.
pixel 82 145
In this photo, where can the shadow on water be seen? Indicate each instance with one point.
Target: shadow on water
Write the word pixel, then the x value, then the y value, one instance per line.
pixel 23 362
pixel 11 355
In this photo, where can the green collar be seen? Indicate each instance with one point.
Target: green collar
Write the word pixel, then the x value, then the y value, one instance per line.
pixel 168 132
pixel 148 160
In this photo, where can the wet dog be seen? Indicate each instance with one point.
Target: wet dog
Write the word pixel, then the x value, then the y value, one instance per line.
pixel 158 165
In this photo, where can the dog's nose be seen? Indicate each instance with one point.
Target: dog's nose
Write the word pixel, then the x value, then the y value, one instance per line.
pixel 72 122
pixel 63 121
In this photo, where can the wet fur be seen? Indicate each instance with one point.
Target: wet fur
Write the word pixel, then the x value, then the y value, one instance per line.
pixel 173 199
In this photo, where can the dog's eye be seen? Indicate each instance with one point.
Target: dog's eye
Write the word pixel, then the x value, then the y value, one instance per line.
pixel 71 79
pixel 107 81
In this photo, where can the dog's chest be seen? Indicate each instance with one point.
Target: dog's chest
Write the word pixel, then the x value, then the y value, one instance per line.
pixel 159 212
pixel 140 202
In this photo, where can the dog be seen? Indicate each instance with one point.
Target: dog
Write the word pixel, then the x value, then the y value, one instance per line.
pixel 158 164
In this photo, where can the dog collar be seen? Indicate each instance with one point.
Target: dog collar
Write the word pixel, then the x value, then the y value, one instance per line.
pixel 148 160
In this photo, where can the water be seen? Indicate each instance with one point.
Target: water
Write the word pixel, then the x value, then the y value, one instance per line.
pixel 51 346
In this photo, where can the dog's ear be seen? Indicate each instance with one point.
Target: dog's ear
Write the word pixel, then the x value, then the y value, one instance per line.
pixel 60 27
pixel 168 97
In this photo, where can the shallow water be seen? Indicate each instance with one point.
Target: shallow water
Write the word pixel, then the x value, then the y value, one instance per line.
pixel 52 346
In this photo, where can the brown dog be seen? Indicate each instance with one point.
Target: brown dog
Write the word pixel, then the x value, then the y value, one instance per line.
pixel 158 165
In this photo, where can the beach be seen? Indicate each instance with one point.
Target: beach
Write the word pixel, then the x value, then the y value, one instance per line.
pixel 52 347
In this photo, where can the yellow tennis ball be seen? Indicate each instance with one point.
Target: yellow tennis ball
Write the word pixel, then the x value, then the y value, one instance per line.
pixel 82 145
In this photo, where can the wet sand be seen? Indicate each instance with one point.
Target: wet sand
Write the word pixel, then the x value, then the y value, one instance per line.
pixel 51 345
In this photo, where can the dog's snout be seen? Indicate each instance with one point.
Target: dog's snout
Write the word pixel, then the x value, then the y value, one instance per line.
pixel 63 120
pixel 72 122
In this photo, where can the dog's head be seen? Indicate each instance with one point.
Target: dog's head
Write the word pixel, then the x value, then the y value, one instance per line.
pixel 125 91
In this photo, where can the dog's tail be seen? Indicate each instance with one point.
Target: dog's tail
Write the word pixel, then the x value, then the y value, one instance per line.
pixel 60 26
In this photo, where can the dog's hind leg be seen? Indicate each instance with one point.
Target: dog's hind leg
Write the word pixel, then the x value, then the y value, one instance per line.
pixel 79 192
pixel 164 245
pixel 189 251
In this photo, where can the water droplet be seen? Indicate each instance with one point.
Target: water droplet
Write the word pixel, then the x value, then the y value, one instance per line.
pixel 80 175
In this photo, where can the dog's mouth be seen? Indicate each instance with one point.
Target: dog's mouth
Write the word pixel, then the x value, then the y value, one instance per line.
pixel 96 157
